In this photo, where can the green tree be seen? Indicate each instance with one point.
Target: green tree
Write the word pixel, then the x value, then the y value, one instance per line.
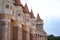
pixel 52 37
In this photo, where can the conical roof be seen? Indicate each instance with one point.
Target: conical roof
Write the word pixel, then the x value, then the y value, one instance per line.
pixel 32 15
pixel 25 9
pixel 38 18
pixel 18 3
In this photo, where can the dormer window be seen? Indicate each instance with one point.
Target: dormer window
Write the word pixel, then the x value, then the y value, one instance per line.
pixel 7 6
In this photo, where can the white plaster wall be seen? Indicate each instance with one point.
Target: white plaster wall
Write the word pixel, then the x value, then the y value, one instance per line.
pixel 3 4
pixel 18 9
pixel 1 1
pixel 29 19
pixel 33 20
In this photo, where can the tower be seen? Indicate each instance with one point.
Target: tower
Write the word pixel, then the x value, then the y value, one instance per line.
pixel 40 33
pixel 27 23
pixel 39 23
pixel 5 15
pixel 33 26
pixel 39 27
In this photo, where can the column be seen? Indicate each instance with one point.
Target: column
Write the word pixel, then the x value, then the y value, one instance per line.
pixel 15 33
pixel 4 29
pixel 7 31
pixel 32 34
pixel 26 34
pixel 19 32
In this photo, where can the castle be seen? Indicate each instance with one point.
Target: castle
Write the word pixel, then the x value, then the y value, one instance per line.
pixel 17 23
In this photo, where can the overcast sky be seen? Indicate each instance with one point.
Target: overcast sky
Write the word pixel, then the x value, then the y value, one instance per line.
pixel 49 11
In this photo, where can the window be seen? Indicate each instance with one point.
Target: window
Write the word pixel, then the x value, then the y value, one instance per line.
pixel 13 0
pixel 18 14
pixel 10 7
pixel 38 25
pixel 33 24
pixel 36 35
pixel 7 6
pixel 40 35
pixel 27 20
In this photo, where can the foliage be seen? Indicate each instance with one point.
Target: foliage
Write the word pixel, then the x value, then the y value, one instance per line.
pixel 52 37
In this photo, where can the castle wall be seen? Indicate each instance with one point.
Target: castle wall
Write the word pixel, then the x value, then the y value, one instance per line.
pixel 5 29
pixel 17 25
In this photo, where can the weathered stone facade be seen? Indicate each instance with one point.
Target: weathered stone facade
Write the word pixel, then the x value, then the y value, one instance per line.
pixel 17 23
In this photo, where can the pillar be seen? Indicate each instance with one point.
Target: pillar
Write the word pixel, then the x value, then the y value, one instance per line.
pixel 32 34
pixel 28 35
pixel 25 33
pixel 4 29
pixel 19 32
pixel 14 30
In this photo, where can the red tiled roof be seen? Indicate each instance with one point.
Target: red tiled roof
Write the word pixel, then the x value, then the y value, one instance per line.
pixel 25 9
pixel 18 3
pixel 38 18
pixel 32 15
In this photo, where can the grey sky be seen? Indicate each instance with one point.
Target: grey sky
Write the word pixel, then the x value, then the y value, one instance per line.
pixel 49 11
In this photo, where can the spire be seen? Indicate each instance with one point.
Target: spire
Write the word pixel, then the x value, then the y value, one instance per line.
pixel 32 15
pixel 26 10
pixel 18 3
pixel 38 18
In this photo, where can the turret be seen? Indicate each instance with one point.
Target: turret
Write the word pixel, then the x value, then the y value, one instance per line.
pixel 33 19
pixel 18 10
pixel 17 3
pixel 27 15
pixel 39 22
pixel 32 15
pixel 25 9
pixel 33 26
